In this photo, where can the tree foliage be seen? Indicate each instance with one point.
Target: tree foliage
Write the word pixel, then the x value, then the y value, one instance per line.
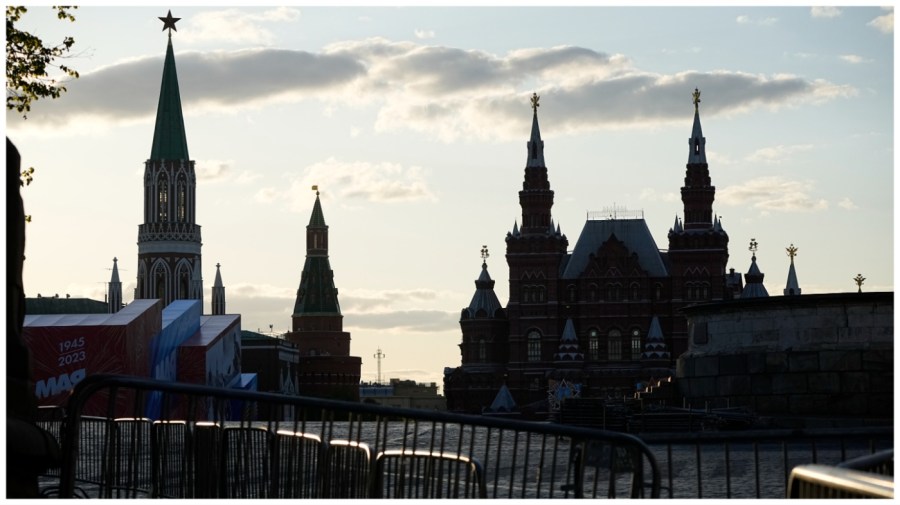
pixel 28 61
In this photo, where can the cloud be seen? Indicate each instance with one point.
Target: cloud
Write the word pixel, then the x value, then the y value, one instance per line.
pixel 652 195
pixel 747 20
pixel 406 320
pixel 365 301
pixel 424 34
pixel 212 170
pixel 847 204
pixel 361 180
pixel 853 58
pixel 246 177
pixel 776 154
pixel 884 23
pixel 774 193
pixel 235 26
pixel 825 12
pixel 444 92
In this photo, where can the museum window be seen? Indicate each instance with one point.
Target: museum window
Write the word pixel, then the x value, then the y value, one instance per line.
pixel 594 344
pixel 635 292
pixel 614 345
pixel 613 292
pixel 635 344
pixel 534 346
pixel 573 293
pixel 482 350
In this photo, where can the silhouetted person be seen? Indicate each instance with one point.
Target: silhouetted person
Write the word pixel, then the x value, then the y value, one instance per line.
pixel 30 451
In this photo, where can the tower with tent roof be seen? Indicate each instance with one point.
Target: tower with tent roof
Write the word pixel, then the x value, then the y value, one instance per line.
pixel 326 368
pixel 169 242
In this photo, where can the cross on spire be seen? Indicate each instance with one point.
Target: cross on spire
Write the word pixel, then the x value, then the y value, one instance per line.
pixel 696 95
pixel 534 102
pixel 169 22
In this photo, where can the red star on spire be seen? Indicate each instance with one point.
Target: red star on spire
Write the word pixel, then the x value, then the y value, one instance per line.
pixel 169 22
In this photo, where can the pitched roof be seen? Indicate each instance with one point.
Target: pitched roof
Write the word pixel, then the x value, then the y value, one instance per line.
pixel 317 218
pixel 169 139
pixel 634 233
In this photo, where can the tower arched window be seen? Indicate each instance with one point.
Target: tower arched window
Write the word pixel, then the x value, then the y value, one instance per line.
pixel 635 292
pixel 534 345
pixel 184 283
pixel 573 293
pixel 181 199
pixel 163 198
pixel 482 350
pixel 614 345
pixel 160 281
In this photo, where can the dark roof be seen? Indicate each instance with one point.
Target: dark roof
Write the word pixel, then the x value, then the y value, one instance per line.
pixel 169 139
pixel 50 305
pixel 317 218
pixel 484 298
pixel 635 235
pixel 252 335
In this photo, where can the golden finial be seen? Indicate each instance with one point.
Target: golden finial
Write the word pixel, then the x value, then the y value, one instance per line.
pixel 316 189
pixel 484 253
pixel 696 95
pixel 534 102
pixel 791 251
pixel 859 282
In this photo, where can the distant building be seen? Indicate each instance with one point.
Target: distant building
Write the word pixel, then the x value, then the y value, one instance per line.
pixel 56 305
pixel 403 393
pixel 326 368
pixel 274 360
pixel 600 319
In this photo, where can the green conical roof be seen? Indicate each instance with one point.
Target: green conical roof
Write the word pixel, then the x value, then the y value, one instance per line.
pixel 317 294
pixel 317 218
pixel 169 140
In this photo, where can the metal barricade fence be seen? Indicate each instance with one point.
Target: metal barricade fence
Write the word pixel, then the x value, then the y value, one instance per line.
pixel 211 442
pixel 754 463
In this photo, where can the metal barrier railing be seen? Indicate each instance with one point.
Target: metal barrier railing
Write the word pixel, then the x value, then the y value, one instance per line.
pixel 754 463
pixel 823 481
pixel 211 442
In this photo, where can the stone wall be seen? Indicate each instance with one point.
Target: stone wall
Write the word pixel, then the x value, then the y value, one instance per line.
pixel 809 355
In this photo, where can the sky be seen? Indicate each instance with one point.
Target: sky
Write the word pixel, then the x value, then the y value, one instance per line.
pixel 413 122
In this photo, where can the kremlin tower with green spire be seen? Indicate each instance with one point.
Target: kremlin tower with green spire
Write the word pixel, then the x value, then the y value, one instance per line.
pixel 169 258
